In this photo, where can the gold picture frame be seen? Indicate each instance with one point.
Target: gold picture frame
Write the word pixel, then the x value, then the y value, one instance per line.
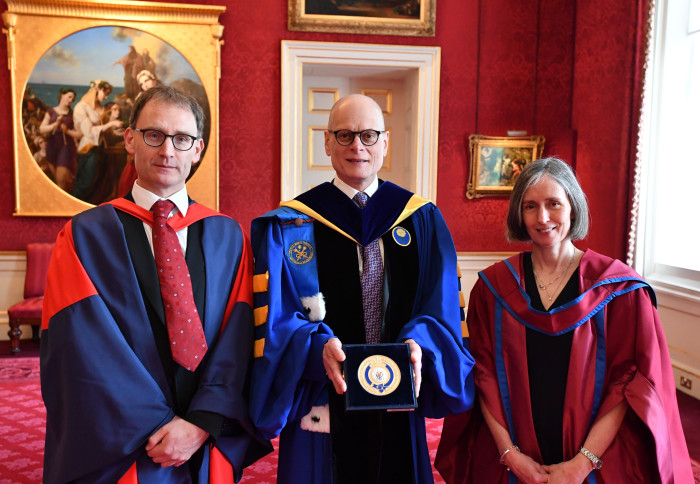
pixel 377 17
pixel 34 27
pixel 496 162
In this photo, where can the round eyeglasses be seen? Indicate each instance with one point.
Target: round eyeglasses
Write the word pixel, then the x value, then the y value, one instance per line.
pixel 155 138
pixel 345 137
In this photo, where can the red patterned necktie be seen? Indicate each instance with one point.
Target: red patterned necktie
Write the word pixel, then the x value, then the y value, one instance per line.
pixel 187 342
pixel 372 281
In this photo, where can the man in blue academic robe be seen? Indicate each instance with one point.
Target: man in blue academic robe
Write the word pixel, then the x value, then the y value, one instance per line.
pixel 309 302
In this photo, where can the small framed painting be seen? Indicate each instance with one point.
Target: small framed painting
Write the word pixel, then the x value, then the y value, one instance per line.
pixel 496 162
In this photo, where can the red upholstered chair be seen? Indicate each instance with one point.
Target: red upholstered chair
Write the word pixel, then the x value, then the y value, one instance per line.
pixel 28 311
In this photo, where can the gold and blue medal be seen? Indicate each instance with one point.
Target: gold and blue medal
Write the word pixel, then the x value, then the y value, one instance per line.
pixel 401 236
pixel 379 375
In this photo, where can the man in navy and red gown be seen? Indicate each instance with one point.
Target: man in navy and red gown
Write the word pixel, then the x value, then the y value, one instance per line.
pixel 119 407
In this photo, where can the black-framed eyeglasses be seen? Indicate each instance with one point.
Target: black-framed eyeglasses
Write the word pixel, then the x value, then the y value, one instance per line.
pixel 345 137
pixel 155 138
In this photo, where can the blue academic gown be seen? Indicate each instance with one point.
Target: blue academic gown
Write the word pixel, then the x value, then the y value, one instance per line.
pixel 309 246
pixel 103 381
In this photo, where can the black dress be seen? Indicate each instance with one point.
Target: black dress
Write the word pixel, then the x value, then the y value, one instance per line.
pixel 548 367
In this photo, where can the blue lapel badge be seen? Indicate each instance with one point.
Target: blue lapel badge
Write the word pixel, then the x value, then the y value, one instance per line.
pixel 401 236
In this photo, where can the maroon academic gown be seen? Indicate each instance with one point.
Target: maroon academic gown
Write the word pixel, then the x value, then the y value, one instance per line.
pixel 618 353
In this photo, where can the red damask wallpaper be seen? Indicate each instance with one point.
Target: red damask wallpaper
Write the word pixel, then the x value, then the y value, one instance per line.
pixel 562 69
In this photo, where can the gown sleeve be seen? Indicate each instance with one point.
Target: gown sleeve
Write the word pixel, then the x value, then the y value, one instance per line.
pixel 288 375
pixel 447 385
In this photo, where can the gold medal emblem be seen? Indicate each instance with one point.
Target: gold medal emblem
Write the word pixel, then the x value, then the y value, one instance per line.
pixel 300 252
pixel 379 375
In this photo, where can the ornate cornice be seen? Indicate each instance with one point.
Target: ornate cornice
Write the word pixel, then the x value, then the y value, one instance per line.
pixel 119 10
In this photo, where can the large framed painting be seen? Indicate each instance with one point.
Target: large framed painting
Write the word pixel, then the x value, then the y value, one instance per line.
pixel 76 69
pixel 378 17
pixel 496 162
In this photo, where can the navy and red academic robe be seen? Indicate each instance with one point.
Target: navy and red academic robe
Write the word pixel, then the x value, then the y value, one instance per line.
pixel 308 248
pixel 618 353
pixel 103 382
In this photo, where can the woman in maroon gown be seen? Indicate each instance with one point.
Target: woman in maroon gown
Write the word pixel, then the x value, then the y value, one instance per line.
pixel 573 374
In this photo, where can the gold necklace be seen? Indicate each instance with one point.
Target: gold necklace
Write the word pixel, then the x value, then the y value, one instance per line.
pixel 545 286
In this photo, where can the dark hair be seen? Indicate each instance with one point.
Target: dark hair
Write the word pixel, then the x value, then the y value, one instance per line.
pixel 63 91
pixel 170 95
pixel 104 86
pixel 560 172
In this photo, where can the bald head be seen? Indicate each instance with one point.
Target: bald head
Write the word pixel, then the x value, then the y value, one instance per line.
pixel 360 104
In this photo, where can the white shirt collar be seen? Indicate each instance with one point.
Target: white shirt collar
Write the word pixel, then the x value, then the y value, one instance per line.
pixel 145 199
pixel 350 191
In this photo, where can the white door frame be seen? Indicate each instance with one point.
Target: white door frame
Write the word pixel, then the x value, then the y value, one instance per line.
pixel 426 60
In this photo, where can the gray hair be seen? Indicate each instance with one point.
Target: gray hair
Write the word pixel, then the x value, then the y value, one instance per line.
pixel 560 172
pixel 169 95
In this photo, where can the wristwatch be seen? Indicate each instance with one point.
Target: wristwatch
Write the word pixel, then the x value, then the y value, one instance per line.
pixel 595 460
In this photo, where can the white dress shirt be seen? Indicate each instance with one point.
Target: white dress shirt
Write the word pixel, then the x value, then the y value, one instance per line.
pixel 145 199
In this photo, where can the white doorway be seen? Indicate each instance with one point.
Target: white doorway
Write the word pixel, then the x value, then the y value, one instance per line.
pixel 322 85
pixel 404 80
